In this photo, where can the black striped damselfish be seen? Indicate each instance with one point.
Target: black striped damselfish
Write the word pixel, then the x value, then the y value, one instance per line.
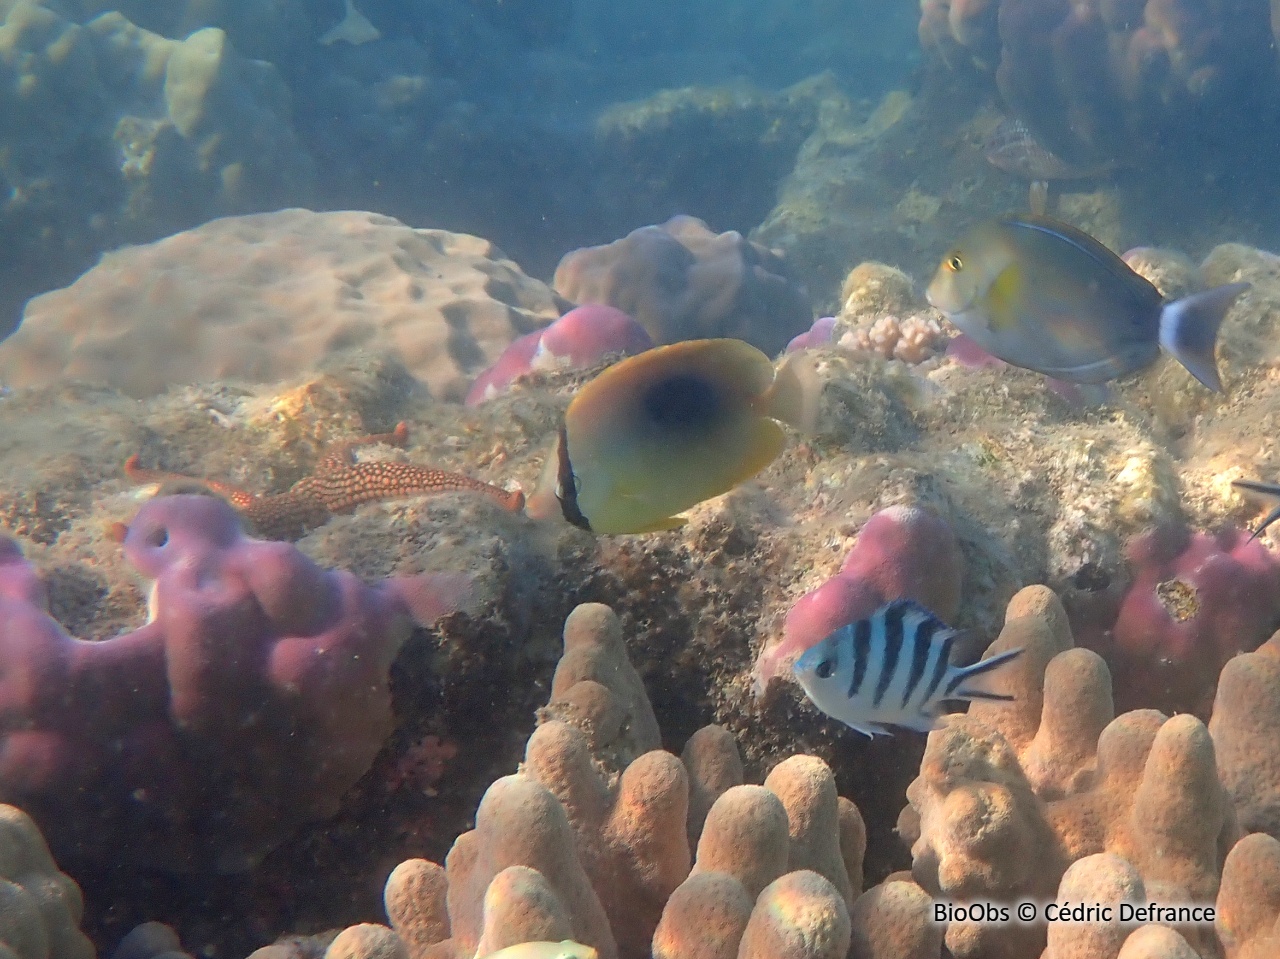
pixel 892 669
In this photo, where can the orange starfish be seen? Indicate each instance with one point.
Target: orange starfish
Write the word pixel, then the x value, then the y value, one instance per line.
pixel 338 485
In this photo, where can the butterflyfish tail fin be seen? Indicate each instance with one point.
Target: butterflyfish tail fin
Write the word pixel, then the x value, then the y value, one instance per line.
pixel 958 687
pixel 1189 330
pixel 795 397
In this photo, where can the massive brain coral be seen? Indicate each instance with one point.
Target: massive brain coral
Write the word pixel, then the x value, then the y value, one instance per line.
pixel 1116 79
pixel 269 296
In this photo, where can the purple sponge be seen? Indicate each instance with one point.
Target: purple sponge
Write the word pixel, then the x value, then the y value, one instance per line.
pixel 254 697
pixel 901 552
pixel 582 337
pixel 1197 600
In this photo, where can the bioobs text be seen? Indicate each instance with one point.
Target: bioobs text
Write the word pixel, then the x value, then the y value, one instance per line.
pixel 1125 912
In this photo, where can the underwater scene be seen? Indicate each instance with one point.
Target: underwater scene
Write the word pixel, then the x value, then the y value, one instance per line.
pixel 571 479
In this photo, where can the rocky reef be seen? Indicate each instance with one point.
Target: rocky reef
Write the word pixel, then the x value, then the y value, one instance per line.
pixel 113 133
pixel 283 657
pixel 1107 81
pixel 537 124
pixel 1052 800
pixel 925 475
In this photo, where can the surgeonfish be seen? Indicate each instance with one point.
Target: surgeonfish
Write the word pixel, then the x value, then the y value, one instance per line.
pixel 568 949
pixel 892 669
pixel 1048 297
pixel 664 430
pixel 1271 490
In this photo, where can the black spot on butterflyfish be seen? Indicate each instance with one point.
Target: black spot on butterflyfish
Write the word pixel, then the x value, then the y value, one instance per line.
pixel 683 403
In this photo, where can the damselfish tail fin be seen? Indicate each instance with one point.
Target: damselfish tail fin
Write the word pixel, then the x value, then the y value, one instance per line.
pixel 1189 330
pixel 957 688
pixel 1269 490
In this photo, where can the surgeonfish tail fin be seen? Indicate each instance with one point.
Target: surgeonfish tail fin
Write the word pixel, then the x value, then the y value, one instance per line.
pixel 796 394
pixel 958 687
pixel 1189 330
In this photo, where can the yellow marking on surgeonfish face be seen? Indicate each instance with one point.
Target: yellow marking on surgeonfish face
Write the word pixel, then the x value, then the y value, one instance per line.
pixel 1003 298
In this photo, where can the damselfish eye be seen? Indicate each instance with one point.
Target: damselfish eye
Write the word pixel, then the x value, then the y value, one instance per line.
pixel 825 669
pixel 954 263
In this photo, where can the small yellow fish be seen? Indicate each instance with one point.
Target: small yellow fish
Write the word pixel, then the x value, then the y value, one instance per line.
pixel 664 430
pixel 1047 297
pixel 568 949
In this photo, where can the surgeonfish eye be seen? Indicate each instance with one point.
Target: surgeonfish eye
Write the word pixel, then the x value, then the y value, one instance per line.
pixel 825 669
pixel 954 263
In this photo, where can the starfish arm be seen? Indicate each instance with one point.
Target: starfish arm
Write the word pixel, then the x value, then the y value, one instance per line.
pixel 340 456
pixel 237 497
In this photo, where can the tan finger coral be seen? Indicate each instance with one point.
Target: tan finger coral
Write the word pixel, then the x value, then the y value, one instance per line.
pixel 40 908
pixel 745 836
pixel 368 940
pixel 1248 921
pixel 596 689
pixel 704 918
pixel 808 792
pixel 590 841
pixel 1245 725
pixel 1103 878
pixel 1156 942
pixel 894 921
pixel 1010 795
pixel 711 757
pixel 799 915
